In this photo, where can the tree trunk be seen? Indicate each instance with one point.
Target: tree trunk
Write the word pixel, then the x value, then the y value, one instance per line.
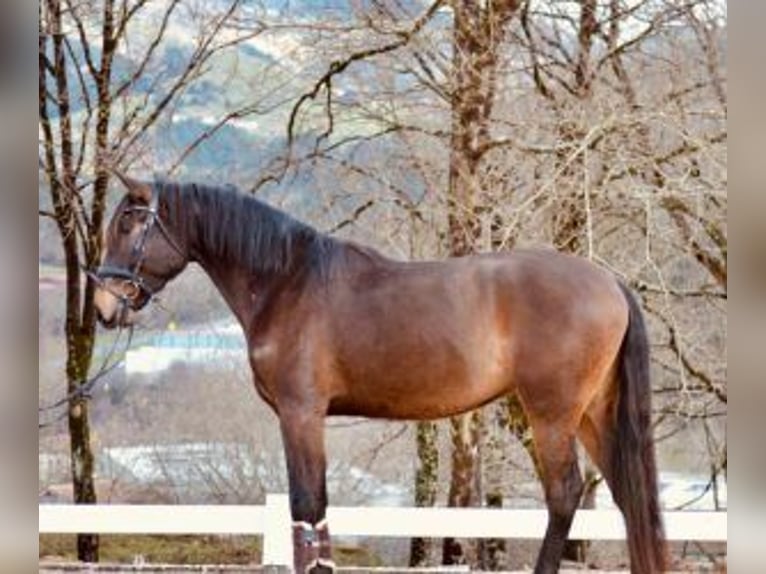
pixel 82 472
pixel 463 233
pixel 425 486
pixel 79 351
pixel 465 433
pixel 477 31
pixel 492 551
pixel 80 339
pixel 79 233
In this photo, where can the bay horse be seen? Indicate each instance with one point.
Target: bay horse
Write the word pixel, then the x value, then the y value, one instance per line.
pixel 335 328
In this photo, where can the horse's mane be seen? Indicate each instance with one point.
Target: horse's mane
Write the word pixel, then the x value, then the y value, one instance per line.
pixel 242 230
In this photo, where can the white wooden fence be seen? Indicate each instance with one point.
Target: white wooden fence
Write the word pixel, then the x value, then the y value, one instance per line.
pixel 272 521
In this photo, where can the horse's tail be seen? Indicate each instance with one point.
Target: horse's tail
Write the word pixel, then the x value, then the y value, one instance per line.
pixel 633 465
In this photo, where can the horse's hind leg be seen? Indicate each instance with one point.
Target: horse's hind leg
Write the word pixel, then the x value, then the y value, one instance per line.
pixel 596 433
pixel 563 484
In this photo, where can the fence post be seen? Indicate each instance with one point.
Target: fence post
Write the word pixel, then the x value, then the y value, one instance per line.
pixel 277 537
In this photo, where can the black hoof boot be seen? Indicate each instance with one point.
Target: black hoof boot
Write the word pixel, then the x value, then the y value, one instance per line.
pixel 321 566
pixel 305 550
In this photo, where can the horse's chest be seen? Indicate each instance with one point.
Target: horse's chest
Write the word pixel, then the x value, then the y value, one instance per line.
pixel 263 361
pixel 276 361
pixel 263 352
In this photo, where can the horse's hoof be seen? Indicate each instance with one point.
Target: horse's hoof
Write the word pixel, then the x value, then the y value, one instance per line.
pixel 321 566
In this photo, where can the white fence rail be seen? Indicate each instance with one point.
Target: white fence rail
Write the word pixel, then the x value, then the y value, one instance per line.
pixel 272 521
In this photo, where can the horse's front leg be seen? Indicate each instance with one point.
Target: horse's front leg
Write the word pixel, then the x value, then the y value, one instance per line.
pixel 303 437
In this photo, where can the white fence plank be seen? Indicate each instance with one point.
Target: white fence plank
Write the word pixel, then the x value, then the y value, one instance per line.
pixel 151 519
pixel 273 522
pixel 512 523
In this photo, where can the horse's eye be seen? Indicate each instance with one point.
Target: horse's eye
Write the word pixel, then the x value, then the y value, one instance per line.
pixel 125 223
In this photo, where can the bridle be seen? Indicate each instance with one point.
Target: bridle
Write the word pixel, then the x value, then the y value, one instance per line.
pixel 139 287
pixel 130 275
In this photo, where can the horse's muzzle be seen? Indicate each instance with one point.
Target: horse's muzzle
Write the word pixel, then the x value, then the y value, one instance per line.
pixel 112 311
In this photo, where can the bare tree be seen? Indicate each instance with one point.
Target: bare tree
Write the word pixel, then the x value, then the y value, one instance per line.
pixel 89 120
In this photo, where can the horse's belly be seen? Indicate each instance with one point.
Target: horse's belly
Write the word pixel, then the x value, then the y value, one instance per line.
pixel 421 398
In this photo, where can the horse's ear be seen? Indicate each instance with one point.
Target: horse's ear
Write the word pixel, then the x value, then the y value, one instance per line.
pixel 138 190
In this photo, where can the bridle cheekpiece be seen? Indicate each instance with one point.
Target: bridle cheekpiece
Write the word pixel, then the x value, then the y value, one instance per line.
pixel 131 275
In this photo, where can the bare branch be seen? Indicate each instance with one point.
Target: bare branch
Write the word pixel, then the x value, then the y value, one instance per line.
pixel 204 51
pixel 156 41
pixel 88 107
pixel 210 132
pixel 675 346
pixel 353 218
pixel 126 15
pixel 84 40
pixel 338 66
pixel 705 291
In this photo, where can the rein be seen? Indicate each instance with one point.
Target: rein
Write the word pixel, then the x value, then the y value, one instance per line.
pixel 84 389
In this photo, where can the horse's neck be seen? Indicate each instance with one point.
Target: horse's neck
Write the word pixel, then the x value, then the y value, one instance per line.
pixel 232 283
pixel 244 289
pixel 230 280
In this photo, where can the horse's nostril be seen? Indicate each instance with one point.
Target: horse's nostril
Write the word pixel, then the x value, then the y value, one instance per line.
pixel 105 307
pixel 102 319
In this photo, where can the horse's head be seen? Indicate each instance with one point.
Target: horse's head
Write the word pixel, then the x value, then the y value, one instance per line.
pixel 141 254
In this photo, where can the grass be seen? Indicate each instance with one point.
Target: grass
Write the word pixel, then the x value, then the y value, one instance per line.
pixel 159 549
pixel 186 550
